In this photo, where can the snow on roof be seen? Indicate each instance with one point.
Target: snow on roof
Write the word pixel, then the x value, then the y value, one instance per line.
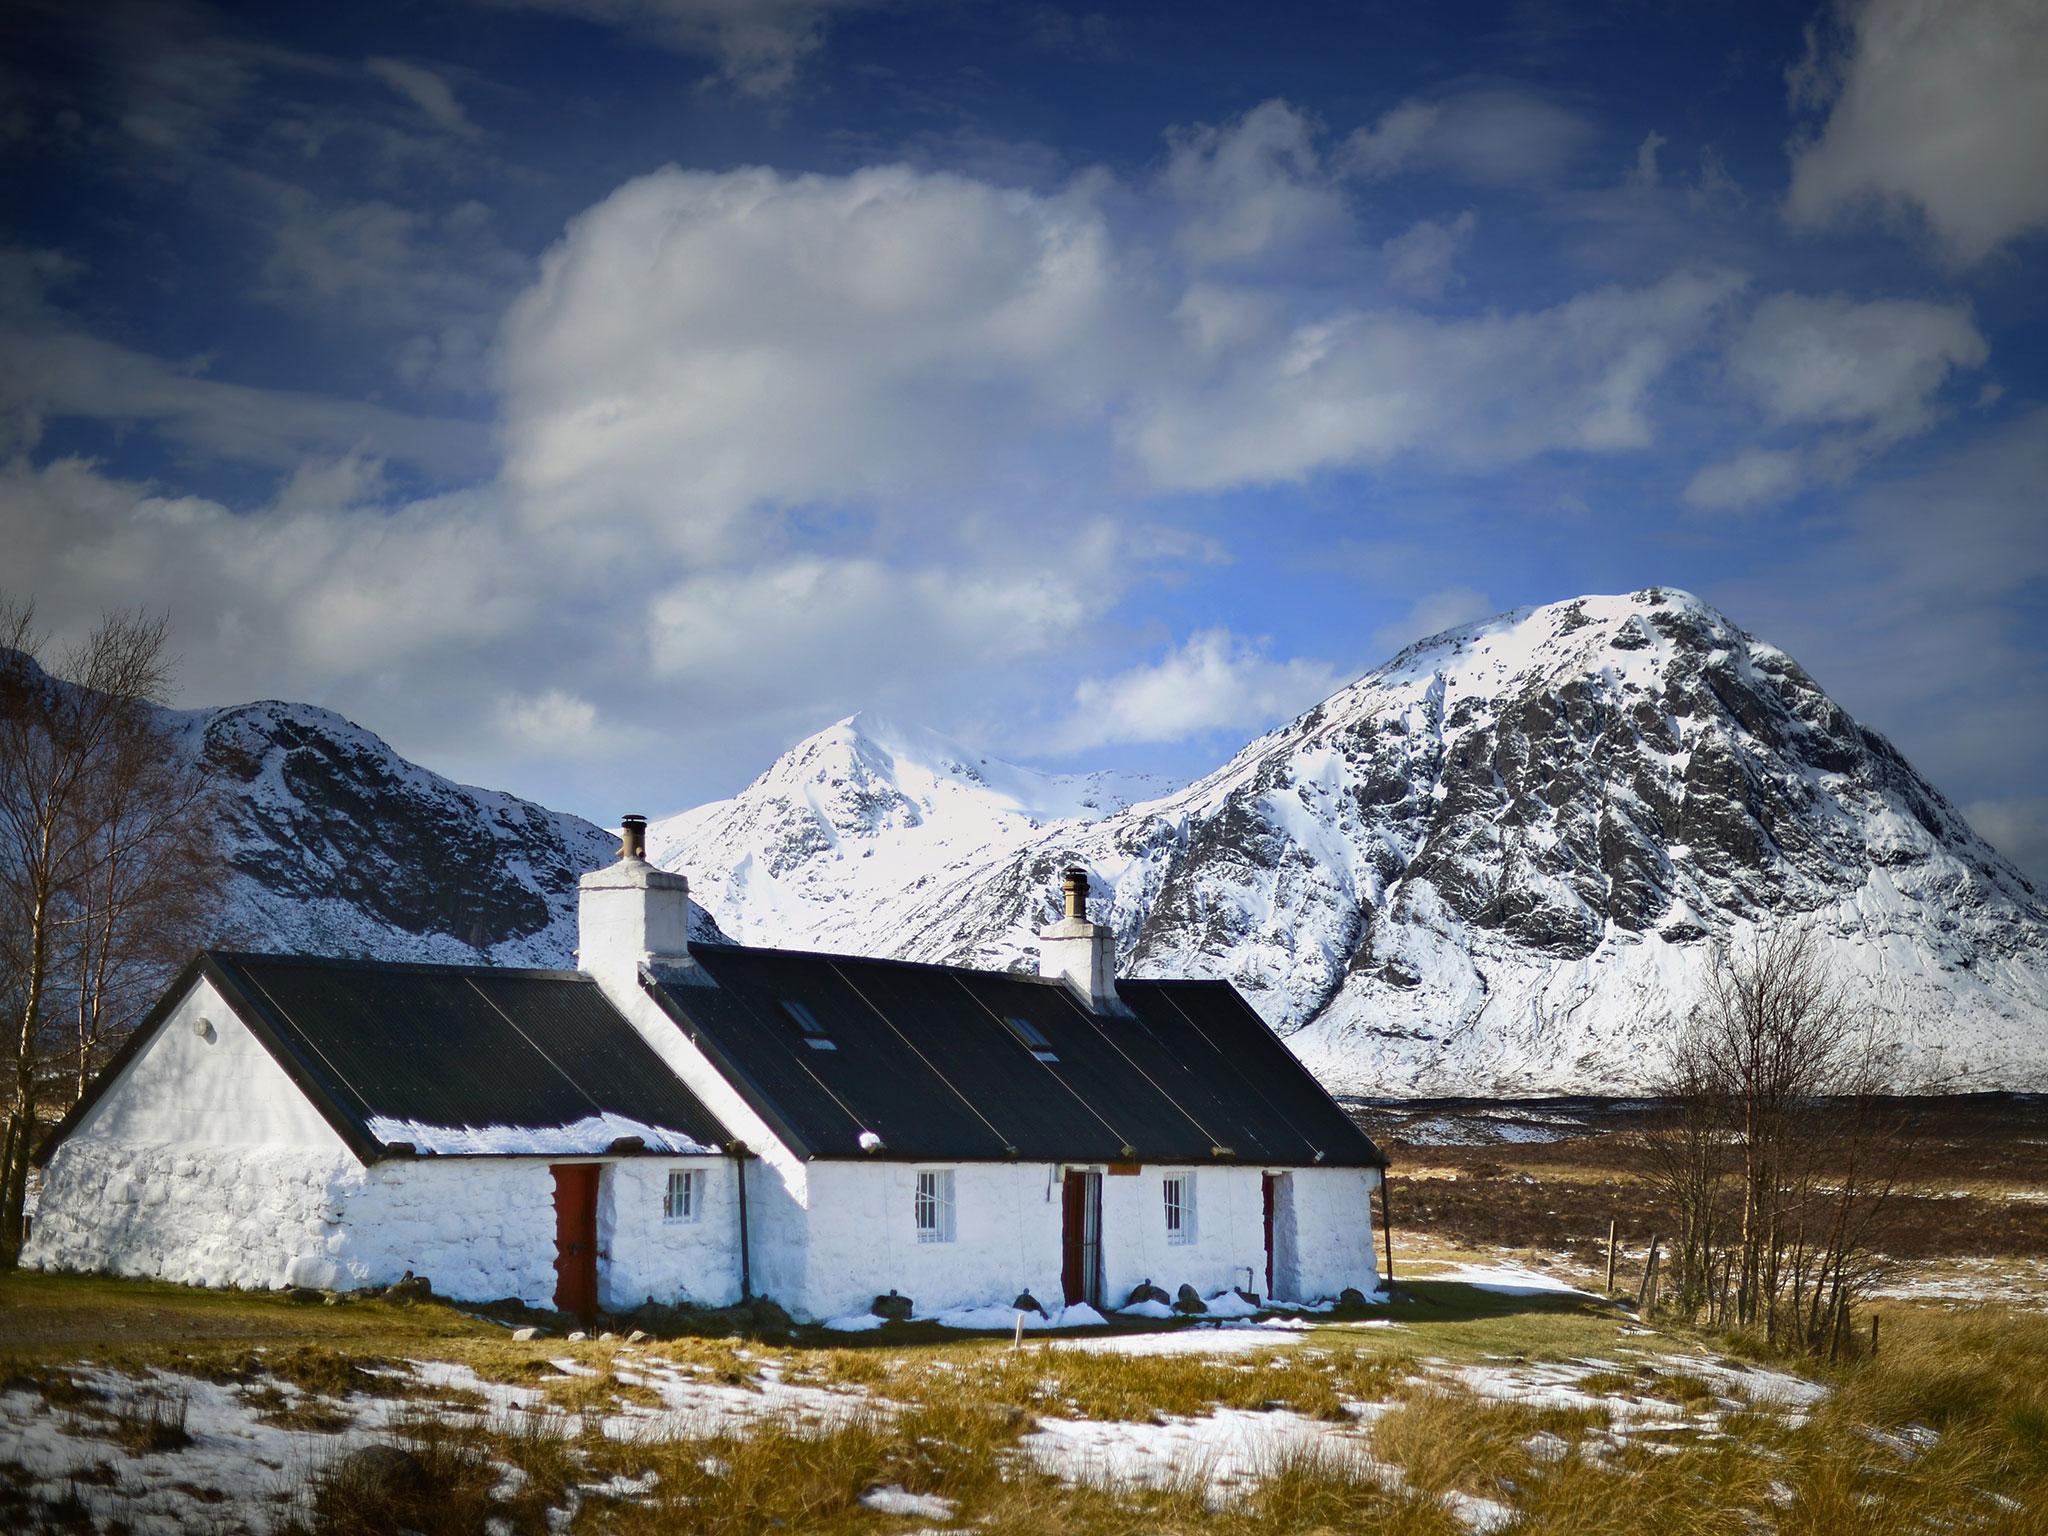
pixel 589 1136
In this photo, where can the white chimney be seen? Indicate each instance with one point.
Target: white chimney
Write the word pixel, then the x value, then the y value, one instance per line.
pixel 1081 953
pixel 630 914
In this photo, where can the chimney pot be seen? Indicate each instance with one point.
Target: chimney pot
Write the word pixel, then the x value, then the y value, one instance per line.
pixel 632 837
pixel 1075 885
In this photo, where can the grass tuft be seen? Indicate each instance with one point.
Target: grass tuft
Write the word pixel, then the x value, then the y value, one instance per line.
pixel 149 1423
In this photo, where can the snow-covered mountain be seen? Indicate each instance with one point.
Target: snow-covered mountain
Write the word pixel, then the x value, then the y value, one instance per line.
pixel 339 846
pixel 1500 863
pixel 850 832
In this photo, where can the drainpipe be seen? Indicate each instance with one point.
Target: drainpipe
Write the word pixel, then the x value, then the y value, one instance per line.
pixel 738 1151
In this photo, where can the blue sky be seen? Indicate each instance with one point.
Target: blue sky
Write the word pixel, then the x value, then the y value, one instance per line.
pixel 595 396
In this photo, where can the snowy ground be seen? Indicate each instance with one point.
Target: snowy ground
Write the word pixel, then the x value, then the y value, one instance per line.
pixel 1968 1282
pixel 239 1471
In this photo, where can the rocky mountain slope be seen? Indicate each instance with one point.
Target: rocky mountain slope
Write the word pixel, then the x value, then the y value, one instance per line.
pixel 336 845
pixel 1500 863
pixel 339 846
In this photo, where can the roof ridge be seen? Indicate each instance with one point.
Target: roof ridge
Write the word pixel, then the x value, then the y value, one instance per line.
pixel 243 957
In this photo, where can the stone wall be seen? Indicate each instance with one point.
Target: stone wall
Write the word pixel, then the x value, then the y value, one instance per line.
pixel 233 1216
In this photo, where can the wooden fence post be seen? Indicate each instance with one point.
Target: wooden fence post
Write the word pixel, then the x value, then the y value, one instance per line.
pixel 1611 1227
pixel 1649 1271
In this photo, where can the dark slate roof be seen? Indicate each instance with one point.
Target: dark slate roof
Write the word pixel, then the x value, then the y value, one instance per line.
pixel 922 1058
pixel 437 1047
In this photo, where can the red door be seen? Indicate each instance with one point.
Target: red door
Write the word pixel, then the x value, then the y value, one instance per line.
pixel 1081 1248
pixel 1272 1183
pixel 576 1238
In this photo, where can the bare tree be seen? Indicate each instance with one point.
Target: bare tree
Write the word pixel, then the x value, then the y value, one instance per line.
pixel 1688 1163
pixel 108 876
pixel 1783 1147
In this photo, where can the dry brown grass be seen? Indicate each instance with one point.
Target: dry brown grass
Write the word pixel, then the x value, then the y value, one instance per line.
pixel 148 1423
pixel 1065 1382
pixel 1946 1430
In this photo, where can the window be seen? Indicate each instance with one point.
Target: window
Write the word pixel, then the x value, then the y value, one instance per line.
pixel 935 1206
pixel 684 1198
pixel 1032 1037
pixel 1180 1209
pixel 814 1032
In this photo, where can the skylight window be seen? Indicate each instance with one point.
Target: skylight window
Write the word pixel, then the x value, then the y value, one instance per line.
pixel 1033 1038
pixel 814 1032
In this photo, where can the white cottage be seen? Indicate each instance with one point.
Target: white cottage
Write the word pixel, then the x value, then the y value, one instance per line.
pixel 703 1123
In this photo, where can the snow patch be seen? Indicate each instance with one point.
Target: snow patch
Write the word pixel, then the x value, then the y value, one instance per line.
pixel 588 1137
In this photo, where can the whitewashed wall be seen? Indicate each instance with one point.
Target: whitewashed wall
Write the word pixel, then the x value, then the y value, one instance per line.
pixel 643 1256
pixel 863 1238
pixel 214 1215
pixel 1008 1225
pixel 477 1229
pixel 1229 1232
pixel 218 1089
pixel 202 1163
pixel 1334 1233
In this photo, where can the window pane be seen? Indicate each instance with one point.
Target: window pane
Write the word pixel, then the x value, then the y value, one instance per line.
pixel 1180 1209
pixel 683 1200
pixel 934 1206
pixel 1029 1033
pixel 805 1019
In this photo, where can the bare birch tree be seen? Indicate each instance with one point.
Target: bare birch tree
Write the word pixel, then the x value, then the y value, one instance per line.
pixel 108 876
pixel 1783 1146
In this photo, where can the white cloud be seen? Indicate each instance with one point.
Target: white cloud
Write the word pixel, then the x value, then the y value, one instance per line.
pixel 1937 107
pixel 1251 187
pixel 1868 373
pixel 1643 175
pixel 1753 477
pixel 1431 614
pixel 316 586
pixel 1215 681
pixel 703 346
pixel 824 633
pixel 758 44
pixel 427 91
pixel 555 723
pixel 1420 259
pixel 1836 362
pixel 386 265
pixel 1364 386
pixel 1494 138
